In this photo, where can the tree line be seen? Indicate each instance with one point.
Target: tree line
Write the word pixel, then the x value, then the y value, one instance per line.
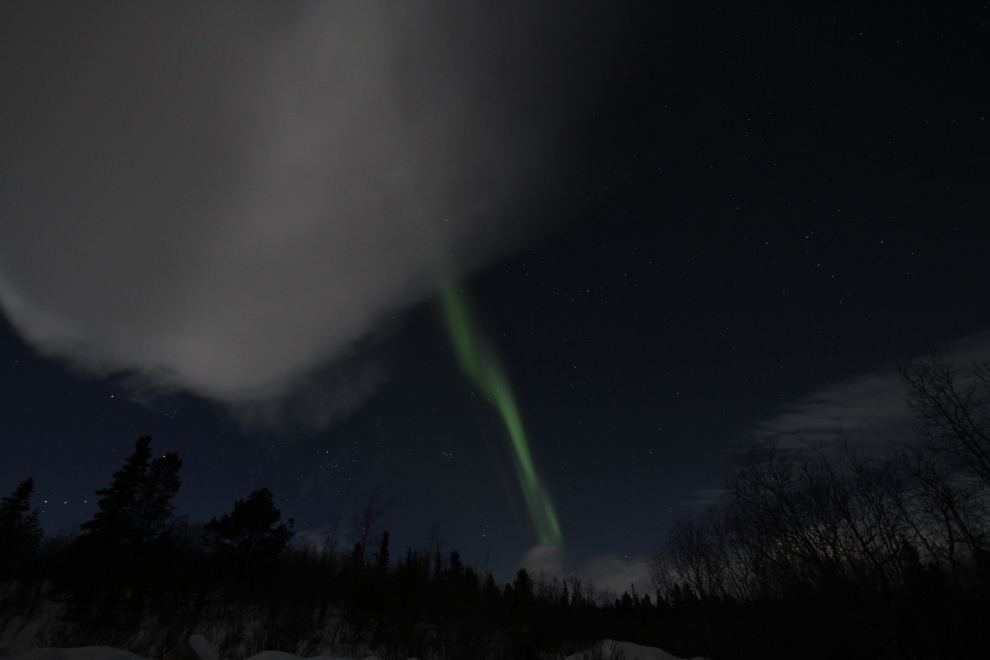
pixel 811 552
pixel 140 578
pixel 827 551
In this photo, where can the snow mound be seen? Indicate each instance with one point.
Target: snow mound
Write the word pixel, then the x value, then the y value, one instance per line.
pixel 605 650
pixel 201 650
pixel 282 655
pixel 610 649
pixel 80 653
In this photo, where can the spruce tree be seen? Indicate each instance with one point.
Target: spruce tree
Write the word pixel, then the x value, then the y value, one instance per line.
pixel 20 531
pixel 251 533
pixel 137 506
pixel 381 557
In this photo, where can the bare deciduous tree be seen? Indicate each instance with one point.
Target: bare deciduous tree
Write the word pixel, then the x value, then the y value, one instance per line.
pixel 330 543
pixel 951 404
pixel 435 543
pixel 848 516
pixel 949 467
pixel 366 523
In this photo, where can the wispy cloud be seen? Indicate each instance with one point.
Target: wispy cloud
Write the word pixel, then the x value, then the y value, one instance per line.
pixel 610 572
pixel 232 209
pixel 703 498
pixel 617 573
pixel 871 408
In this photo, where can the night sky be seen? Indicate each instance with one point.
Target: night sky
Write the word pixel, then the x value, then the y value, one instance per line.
pixel 698 224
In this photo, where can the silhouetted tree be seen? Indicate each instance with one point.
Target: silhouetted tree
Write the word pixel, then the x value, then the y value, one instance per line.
pixel 251 533
pixel 381 557
pixel 20 531
pixel 367 522
pixel 951 404
pixel 137 506
pixel 949 468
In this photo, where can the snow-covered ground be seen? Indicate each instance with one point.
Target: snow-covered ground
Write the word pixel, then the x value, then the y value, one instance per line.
pixel 611 650
pixel 199 648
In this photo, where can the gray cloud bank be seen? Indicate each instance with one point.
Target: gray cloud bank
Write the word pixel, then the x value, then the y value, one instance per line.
pixel 870 408
pixel 228 198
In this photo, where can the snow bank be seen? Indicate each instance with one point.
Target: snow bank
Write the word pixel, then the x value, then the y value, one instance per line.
pixel 81 653
pixel 611 650
pixel 200 648
pixel 203 650
pixel 282 655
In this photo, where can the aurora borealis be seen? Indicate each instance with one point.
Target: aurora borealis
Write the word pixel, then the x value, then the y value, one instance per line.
pixel 479 363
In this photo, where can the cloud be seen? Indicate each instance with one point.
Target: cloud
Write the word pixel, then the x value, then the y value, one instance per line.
pixel 230 199
pixel 869 408
pixel 607 572
pixel 617 573
pixel 702 499
pixel 547 558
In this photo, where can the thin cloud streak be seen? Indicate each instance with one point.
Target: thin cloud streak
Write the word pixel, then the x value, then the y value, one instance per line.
pixel 871 408
pixel 607 572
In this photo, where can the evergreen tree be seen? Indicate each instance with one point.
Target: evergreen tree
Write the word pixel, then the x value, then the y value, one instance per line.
pixel 381 557
pixel 20 531
pixel 356 562
pixel 250 533
pixel 492 593
pixel 137 507
pixel 523 585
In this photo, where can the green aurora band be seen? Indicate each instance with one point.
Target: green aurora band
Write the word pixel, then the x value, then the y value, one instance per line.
pixel 478 362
